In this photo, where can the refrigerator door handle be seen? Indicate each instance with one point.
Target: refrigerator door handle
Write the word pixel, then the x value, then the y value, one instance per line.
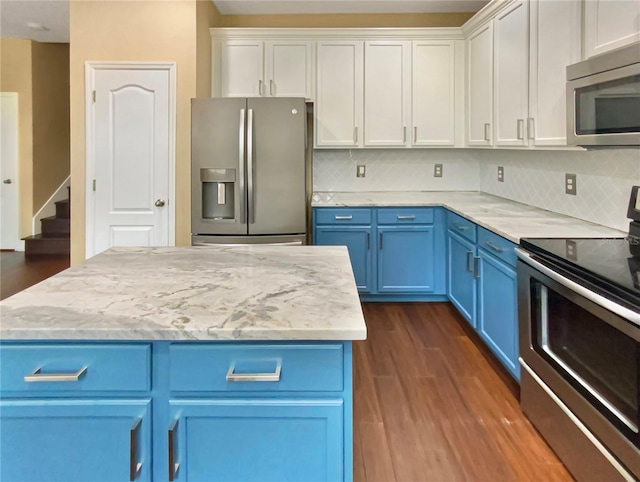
pixel 251 197
pixel 241 166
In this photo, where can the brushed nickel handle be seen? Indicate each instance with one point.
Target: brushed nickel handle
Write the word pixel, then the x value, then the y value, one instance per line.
pixel 469 261
pixel 520 129
pixel 415 134
pixel 134 465
pixel 38 376
pixel 254 377
pixel 241 161
pixel 531 128
pixel 406 218
pixel 355 134
pixel 368 241
pixel 380 244
pixel 404 134
pixel 259 87
pixel 159 202
pixel 487 127
pixel 476 267
pixel 460 227
pixel 250 193
pixel 173 466
pixel 497 249
pixel 7 181
pixel 271 87
pixel 343 218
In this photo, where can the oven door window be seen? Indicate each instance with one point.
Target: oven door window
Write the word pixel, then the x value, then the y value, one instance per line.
pixel 611 107
pixel 598 360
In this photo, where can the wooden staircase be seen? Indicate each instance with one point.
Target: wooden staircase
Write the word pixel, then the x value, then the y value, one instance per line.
pixel 55 238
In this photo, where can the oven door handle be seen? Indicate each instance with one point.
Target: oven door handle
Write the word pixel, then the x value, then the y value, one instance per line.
pixel 600 300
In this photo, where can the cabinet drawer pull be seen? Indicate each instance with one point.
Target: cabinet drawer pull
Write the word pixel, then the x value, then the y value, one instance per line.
pixel 380 244
pixel 405 218
pixel 343 218
pixel 270 87
pixel 134 465
pixel 368 241
pixel 254 377
pixel 531 128
pixel 404 134
pixel 497 249
pixel 520 129
pixel 476 267
pixel 469 261
pixel 487 127
pixel 460 227
pixel 173 466
pixel 415 134
pixel 38 376
pixel 260 87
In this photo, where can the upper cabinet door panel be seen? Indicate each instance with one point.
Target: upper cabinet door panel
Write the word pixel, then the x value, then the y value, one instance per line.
pixel 480 86
pixel 433 93
pixel 610 24
pixel 555 43
pixel 386 93
pixel 289 66
pixel 339 94
pixel 511 75
pixel 241 68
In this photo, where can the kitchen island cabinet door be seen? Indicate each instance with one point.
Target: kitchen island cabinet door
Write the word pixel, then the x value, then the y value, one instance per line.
pixel 462 283
pixel 497 310
pixel 75 440
pixel 358 242
pixel 257 440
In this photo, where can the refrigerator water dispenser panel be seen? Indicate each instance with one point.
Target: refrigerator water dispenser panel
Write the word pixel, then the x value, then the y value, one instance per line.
pixel 218 188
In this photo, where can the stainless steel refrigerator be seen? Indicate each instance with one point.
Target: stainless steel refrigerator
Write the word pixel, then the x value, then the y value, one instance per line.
pixel 250 170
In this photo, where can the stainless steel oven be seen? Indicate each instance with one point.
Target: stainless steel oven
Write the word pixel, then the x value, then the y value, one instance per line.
pixel 603 99
pixel 580 354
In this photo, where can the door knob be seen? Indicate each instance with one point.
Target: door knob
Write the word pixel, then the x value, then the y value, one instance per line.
pixel 7 181
pixel 160 202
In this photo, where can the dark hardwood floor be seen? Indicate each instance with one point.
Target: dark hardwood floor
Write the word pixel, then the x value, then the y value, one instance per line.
pixel 18 273
pixel 430 405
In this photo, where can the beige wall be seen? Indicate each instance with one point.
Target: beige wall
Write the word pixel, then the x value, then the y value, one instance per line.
pixel 207 16
pixel 132 31
pixel 15 76
pixel 347 20
pixel 50 66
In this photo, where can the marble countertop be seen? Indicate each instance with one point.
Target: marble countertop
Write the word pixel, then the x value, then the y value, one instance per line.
pixel 194 293
pixel 509 219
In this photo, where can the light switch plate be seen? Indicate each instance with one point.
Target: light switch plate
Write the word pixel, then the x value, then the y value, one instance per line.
pixel 360 170
pixel 437 170
pixel 570 185
pixel 500 174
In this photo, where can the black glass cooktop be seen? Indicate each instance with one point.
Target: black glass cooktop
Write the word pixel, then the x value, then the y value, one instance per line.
pixel 606 265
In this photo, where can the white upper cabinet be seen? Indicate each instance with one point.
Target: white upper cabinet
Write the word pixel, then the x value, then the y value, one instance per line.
pixel 339 95
pixel 241 68
pixel 511 71
pixel 387 93
pixel 289 69
pixel 609 24
pixel 480 86
pixel 555 43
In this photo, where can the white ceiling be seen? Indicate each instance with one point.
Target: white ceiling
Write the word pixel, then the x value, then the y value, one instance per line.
pixel 52 14
pixel 266 7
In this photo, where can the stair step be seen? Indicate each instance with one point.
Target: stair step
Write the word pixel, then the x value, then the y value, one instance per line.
pixel 63 209
pixel 53 227
pixel 42 245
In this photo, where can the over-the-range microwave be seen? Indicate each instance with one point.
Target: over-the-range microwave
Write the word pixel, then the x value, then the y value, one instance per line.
pixel 603 99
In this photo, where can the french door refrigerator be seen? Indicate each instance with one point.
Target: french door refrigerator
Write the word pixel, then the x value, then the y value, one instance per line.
pixel 250 170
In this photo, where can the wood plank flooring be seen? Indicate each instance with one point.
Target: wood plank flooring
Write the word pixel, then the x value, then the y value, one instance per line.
pixel 431 404
pixel 18 273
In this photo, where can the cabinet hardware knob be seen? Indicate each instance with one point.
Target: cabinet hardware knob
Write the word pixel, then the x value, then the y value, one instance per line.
pixel 159 202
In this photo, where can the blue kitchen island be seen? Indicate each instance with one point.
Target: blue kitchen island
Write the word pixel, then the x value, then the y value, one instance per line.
pixel 184 364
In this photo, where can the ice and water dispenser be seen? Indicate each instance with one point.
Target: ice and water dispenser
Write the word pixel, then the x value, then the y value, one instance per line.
pixel 218 189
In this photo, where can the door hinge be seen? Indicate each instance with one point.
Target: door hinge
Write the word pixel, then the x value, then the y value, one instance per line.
pixel 93 184
pixel 93 96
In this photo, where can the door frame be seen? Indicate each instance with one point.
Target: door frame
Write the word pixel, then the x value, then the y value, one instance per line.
pixel 91 67
pixel 17 244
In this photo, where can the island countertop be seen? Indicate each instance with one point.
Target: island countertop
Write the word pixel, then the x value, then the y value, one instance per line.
pixel 193 293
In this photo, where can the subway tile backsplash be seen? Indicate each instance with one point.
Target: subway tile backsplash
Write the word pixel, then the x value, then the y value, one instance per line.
pixel 604 177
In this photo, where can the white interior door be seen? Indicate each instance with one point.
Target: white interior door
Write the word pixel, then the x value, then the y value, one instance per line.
pixel 132 129
pixel 9 232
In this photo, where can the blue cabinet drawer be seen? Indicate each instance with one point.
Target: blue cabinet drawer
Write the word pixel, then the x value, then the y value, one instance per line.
pixel 343 216
pixel 235 367
pixel 461 226
pixel 74 368
pixel 497 246
pixel 405 215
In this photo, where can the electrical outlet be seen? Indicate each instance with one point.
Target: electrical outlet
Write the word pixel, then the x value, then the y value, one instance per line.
pixel 572 250
pixel 360 170
pixel 437 170
pixel 500 174
pixel 570 184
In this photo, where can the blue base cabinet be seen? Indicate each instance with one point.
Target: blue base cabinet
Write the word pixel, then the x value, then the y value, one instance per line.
pixel 462 281
pixel 397 254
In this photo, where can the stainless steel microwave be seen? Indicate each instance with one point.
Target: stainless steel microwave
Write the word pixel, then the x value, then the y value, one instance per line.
pixel 603 99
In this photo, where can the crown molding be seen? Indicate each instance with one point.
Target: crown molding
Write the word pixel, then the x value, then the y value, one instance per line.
pixel 222 33
pixel 484 15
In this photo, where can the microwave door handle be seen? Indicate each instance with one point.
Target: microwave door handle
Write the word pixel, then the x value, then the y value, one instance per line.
pixel 241 160
pixel 251 194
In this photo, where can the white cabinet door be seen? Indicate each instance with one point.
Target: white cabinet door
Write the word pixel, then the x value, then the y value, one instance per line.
pixel 433 93
pixel 480 86
pixel 289 69
pixel 387 96
pixel 609 24
pixel 555 43
pixel 511 76
pixel 241 68
pixel 339 94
